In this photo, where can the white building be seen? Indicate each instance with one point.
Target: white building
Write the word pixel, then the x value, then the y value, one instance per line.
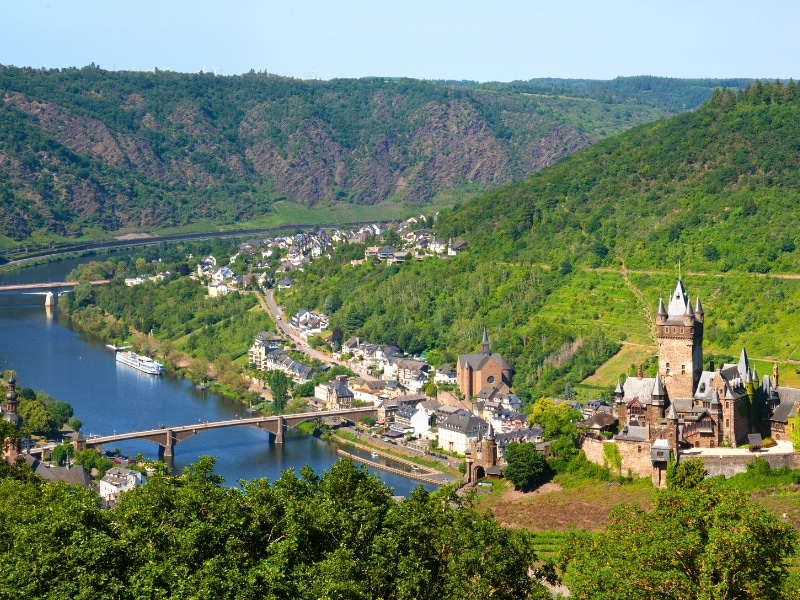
pixel 118 480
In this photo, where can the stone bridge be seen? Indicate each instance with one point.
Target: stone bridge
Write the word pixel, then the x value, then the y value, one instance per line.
pixel 168 437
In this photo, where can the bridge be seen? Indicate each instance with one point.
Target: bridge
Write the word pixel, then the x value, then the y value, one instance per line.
pixel 168 437
pixel 47 286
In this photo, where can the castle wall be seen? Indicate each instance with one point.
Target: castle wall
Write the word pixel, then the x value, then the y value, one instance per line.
pixel 593 450
pixel 635 455
pixel 636 458
pixel 732 464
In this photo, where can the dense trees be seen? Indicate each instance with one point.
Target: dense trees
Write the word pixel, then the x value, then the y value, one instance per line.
pixel 527 467
pixel 335 535
pixel 694 543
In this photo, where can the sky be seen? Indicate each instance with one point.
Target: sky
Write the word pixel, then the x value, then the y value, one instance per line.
pixel 497 40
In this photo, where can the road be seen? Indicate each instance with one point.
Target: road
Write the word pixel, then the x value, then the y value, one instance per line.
pixel 271 307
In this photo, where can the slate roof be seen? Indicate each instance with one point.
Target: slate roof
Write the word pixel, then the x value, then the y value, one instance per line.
pixel 639 388
pixel 633 433
pixel 598 420
pixel 478 359
pixel 463 422
pixel 75 475
pixel 787 408
pixel 703 391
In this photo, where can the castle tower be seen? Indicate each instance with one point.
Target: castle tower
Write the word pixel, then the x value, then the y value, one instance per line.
pixel 490 447
pixel 679 332
pixel 672 428
pixel 655 410
pixel 775 375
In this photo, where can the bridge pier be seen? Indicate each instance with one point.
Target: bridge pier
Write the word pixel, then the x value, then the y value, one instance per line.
pixel 48 299
pixel 281 428
pixel 167 450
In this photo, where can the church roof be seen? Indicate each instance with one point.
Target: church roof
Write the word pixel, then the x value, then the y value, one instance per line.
pixel 479 359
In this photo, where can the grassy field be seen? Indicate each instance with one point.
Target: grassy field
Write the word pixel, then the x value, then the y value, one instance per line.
pixel 620 363
pixel 553 508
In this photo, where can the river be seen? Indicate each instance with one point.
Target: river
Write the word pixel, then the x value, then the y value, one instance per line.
pixel 49 356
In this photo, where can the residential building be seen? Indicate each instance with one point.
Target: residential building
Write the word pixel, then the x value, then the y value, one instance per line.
pixel 118 480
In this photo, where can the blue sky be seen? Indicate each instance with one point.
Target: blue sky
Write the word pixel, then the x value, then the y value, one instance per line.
pixel 498 40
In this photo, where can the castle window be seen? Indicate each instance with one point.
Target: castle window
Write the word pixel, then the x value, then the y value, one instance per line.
pixel 726 405
pixel 638 448
pixel 681 329
pixel 727 423
pixel 683 369
pixel 673 330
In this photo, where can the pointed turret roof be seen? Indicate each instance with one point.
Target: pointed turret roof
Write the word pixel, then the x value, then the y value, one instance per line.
pixel 698 308
pixel 766 384
pixel 618 389
pixel 661 310
pixel 678 301
pixel 658 388
pixel 490 432
pixel 689 311
pixel 672 413
pixel 715 399
pixel 744 365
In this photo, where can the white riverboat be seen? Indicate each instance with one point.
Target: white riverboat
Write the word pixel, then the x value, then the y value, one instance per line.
pixel 142 363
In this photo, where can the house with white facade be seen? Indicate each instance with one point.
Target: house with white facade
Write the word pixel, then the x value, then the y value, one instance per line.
pixel 456 431
pixel 118 480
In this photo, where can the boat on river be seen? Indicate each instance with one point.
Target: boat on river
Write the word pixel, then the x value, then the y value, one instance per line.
pixel 137 361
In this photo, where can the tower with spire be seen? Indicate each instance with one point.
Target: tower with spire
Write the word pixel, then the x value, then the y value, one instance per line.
pixel 476 371
pixel 679 332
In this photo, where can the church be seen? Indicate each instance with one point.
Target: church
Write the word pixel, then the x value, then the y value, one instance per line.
pixel 483 371
pixel 687 406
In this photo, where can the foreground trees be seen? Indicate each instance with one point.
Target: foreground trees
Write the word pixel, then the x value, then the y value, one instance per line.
pixel 698 543
pixel 339 535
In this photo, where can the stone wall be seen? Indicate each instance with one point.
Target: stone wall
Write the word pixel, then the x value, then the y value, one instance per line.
pixel 593 450
pixel 635 455
pixel 732 464
pixel 636 458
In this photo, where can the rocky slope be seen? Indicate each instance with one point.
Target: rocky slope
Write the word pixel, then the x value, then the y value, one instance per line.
pixel 115 150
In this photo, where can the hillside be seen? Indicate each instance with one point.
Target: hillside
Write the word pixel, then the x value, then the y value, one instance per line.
pixel 548 266
pixel 87 151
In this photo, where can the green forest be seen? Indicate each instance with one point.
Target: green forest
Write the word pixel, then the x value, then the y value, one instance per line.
pixel 88 152
pixel 568 264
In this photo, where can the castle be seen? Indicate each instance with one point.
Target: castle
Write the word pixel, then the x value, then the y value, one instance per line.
pixel 686 406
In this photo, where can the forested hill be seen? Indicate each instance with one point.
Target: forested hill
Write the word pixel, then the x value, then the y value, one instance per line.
pixel 717 188
pixel 113 150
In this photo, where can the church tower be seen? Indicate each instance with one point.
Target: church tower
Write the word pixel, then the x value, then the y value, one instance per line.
pixel 679 332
